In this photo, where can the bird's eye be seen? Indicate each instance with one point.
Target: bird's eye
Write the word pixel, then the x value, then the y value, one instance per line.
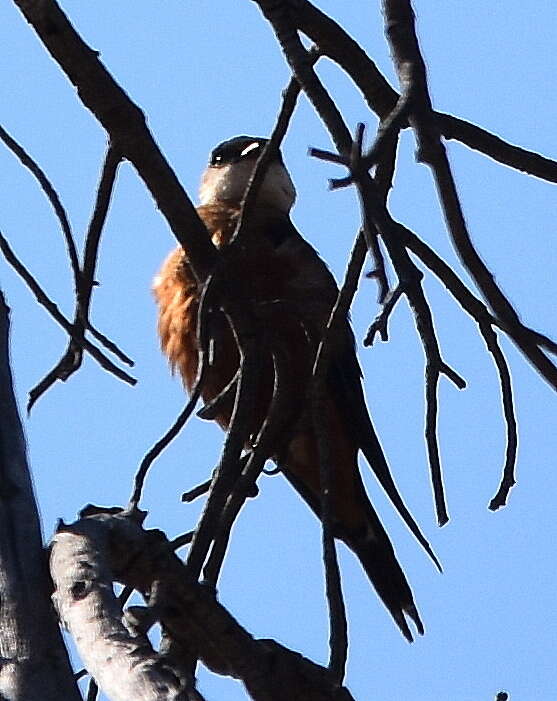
pixel 216 158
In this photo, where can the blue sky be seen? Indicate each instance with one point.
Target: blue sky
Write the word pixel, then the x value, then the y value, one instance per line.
pixel 206 71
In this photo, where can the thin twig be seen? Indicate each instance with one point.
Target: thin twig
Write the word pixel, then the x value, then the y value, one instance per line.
pixel 508 478
pixel 481 315
pixel 289 99
pixel 43 299
pixel 278 416
pixel 62 216
pixel 164 441
pixel 126 127
pixel 73 356
pixel 382 151
pixel 410 279
pixel 401 32
pixel 301 65
pixel 102 202
pixel 334 42
pixel 211 409
pixel 376 217
pixel 110 345
pixel 227 469
pixel 53 198
pixel 338 628
pixel 380 325
pixel 198 491
pixel 181 540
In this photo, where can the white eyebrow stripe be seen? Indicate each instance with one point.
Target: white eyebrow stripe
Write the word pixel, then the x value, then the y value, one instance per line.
pixel 249 148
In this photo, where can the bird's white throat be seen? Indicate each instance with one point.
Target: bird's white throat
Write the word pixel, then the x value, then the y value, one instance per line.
pixel 227 183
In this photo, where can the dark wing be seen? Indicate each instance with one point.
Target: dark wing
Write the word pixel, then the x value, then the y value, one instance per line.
pixel 346 386
pixel 319 290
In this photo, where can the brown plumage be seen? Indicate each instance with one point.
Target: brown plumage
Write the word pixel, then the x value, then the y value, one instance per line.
pixel 283 277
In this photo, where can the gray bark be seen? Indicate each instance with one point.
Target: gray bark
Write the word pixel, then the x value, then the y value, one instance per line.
pixel 33 660
pixel 119 657
pixel 106 546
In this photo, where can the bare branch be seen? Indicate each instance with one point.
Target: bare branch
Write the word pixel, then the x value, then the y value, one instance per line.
pixel 125 125
pixel 188 611
pixel 181 540
pixel 53 198
pixel 123 665
pixel 43 299
pixel 383 154
pixel 338 627
pixel 72 358
pixel 168 437
pixel 198 491
pixel 104 193
pixel 481 315
pixel 109 345
pixel 412 75
pixel 60 212
pixel 227 470
pixel 380 325
pixel 508 479
pixel 334 42
pixel 375 212
pixel 496 148
pixel 301 65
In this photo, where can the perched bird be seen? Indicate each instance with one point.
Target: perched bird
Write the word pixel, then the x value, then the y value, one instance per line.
pixel 284 278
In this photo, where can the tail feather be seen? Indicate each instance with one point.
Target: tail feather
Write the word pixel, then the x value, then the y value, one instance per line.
pixel 383 570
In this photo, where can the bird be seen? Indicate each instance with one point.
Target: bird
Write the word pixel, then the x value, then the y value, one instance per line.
pixel 292 291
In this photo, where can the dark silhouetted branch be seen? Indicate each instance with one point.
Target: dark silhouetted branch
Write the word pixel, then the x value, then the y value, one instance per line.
pixel 380 325
pixel 125 124
pixel 228 468
pixel 60 212
pixel 43 299
pixel 376 218
pixel 198 491
pixel 289 100
pixel 481 315
pixel 278 417
pixel 411 69
pixel 334 42
pixel 168 437
pixel 72 358
pixel 53 198
pixel 338 627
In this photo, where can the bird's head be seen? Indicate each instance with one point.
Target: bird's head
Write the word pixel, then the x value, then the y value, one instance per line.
pixel 230 166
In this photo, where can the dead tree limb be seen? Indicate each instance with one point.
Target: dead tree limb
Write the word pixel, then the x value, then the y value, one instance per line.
pixel 120 550
pixel 34 663
pixel 118 656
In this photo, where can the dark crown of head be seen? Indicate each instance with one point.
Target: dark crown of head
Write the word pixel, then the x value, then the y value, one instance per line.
pixel 239 148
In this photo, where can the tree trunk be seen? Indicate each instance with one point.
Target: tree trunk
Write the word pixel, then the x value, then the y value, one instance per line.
pixel 33 659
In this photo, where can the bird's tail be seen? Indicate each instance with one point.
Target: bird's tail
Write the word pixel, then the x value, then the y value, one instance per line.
pixel 376 553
